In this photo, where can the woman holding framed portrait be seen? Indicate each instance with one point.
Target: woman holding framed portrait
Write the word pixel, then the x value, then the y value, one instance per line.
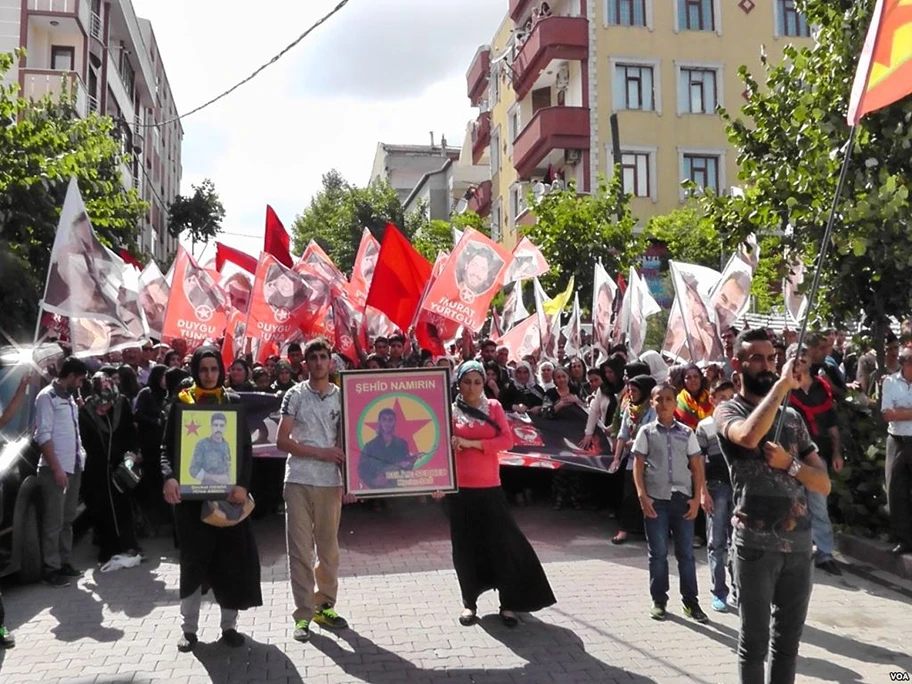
pixel 223 558
pixel 489 549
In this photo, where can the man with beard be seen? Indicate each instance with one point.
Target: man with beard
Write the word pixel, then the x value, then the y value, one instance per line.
pixel 772 523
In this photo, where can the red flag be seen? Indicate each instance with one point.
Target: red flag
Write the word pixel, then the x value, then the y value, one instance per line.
pixel 197 307
pixel 275 241
pixel 432 330
pixel 528 262
pixel 130 259
pixel 472 276
pixel 348 326
pixel 363 270
pixel 523 339
pixel 319 261
pixel 885 68
pixel 399 278
pixel 235 337
pixel 225 253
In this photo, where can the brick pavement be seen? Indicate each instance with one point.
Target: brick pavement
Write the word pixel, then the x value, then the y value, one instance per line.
pixel 400 595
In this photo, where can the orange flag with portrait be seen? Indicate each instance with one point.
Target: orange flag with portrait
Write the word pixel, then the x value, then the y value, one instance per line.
pixel 363 270
pixel 884 72
pixel 197 307
pixel 473 274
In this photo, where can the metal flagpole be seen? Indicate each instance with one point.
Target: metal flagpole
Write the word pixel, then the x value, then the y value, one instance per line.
pixel 824 249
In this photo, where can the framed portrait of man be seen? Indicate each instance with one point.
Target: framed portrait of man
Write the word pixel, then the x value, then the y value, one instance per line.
pixel 208 444
pixel 396 432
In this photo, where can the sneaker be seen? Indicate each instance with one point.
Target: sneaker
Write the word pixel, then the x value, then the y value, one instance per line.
pixel 302 630
pixel 187 642
pixel 6 638
pixel 233 638
pixel 693 611
pixel 658 611
pixel 329 618
pixel 719 605
pixel 55 579
pixel 68 570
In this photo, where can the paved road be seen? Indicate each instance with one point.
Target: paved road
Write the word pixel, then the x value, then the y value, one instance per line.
pixel 400 594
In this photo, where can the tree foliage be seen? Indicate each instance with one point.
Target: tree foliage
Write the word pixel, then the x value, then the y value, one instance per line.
pixel 790 147
pixel 576 231
pixel 434 236
pixel 43 145
pixel 689 236
pixel 340 211
pixel 198 216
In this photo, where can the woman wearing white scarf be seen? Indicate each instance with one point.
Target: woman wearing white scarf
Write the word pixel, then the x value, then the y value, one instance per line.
pixel 545 370
pixel 523 394
pixel 658 369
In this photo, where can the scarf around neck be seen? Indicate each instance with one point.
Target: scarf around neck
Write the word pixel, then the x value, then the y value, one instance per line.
pixel 198 395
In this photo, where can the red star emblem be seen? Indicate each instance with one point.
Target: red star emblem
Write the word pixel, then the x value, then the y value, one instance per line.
pixel 192 427
pixel 405 428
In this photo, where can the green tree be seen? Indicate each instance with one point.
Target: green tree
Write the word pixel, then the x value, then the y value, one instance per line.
pixel 431 237
pixel 340 211
pixel 43 145
pixel 790 146
pixel 575 231
pixel 689 235
pixel 198 215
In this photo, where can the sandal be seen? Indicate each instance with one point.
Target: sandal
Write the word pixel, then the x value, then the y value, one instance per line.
pixel 468 618
pixel 617 539
pixel 508 618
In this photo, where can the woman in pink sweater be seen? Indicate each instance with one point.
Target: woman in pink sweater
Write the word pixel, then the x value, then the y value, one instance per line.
pixel 489 549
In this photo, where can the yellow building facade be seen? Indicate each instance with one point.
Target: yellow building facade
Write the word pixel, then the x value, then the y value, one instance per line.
pixel 555 73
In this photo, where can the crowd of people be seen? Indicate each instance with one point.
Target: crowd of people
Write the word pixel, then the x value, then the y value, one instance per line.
pixel 697 457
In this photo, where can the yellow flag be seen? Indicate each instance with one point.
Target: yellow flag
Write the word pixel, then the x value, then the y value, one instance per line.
pixel 557 304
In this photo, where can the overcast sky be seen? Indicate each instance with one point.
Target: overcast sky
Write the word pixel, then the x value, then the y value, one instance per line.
pixel 378 71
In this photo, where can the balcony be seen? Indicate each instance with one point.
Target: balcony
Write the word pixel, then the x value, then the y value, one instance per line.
pixel 77 9
pixel 481 136
pixel 561 38
pixel 38 83
pixel 478 75
pixel 551 129
pixel 518 9
pixel 481 200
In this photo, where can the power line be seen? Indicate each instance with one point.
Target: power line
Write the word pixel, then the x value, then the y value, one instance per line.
pixel 256 73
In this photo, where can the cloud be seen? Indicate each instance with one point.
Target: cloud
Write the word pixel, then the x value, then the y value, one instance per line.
pixel 272 140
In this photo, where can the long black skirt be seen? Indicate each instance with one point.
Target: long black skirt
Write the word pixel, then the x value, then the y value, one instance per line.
pixel 491 552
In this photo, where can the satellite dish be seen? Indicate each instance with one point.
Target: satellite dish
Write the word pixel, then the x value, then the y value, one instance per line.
pixel 539 190
pixel 557 185
pixel 461 206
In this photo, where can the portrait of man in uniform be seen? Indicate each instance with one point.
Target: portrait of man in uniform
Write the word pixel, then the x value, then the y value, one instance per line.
pixel 211 463
pixel 384 454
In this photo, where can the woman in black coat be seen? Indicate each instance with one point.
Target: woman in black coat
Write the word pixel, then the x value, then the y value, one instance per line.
pixel 108 434
pixel 223 558
pixel 150 425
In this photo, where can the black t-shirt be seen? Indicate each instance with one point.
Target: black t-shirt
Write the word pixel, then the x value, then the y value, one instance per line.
pixel 819 413
pixel 771 508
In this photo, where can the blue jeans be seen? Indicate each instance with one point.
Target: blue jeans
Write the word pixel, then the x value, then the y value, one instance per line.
pixel 671 519
pixel 778 585
pixel 821 527
pixel 719 535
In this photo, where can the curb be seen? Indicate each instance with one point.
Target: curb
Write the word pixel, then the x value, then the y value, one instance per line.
pixel 875 553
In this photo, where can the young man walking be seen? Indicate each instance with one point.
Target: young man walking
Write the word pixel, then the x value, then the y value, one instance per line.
pixel 772 528
pixel 668 473
pixel 310 433
pixel 59 469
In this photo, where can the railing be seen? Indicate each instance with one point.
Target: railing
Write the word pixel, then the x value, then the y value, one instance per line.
pixel 93 104
pixel 96 30
pixel 39 83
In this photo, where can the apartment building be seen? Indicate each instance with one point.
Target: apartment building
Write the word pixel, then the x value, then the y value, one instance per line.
pixel 109 56
pixel 555 72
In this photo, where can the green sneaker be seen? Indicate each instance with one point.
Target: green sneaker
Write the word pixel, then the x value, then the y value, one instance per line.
pixel 6 638
pixel 302 630
pixel 658 611
pixel 329 618
pixel 693 611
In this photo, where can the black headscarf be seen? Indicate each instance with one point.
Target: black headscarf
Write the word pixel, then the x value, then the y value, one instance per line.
pixel 196 360
pixel 129 383
pixel 635 368
pixel 155 377
pixel 173 378
pixel 616 363
pixel 645 383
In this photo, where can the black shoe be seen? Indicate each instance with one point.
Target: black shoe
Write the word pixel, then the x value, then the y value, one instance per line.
pixel 901 549
pixel 233 638
pixel 658 612
pixel 617 540
pixel 68 570
pixel 508 618
pixel 693 611
pixel 187 642
pixel 830 567
pixel 468 618
pixel 329 618
pixel 55 579
pixel 6 638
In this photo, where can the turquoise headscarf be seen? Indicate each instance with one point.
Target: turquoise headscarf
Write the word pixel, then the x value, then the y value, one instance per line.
pixel 468 367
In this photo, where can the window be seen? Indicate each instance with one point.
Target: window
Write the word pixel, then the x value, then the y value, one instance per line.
pixel 517 202
pixel 626 13
pixel 703 170
pixel 495 151
pixel 789 21
pixel 63 58
pixel 633 87
pixel 696 15
pixel 514 124
pixel 496 218
pixel 697 93
pixel 636 173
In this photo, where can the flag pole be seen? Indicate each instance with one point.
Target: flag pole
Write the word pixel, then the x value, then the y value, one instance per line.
pixel 824 250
